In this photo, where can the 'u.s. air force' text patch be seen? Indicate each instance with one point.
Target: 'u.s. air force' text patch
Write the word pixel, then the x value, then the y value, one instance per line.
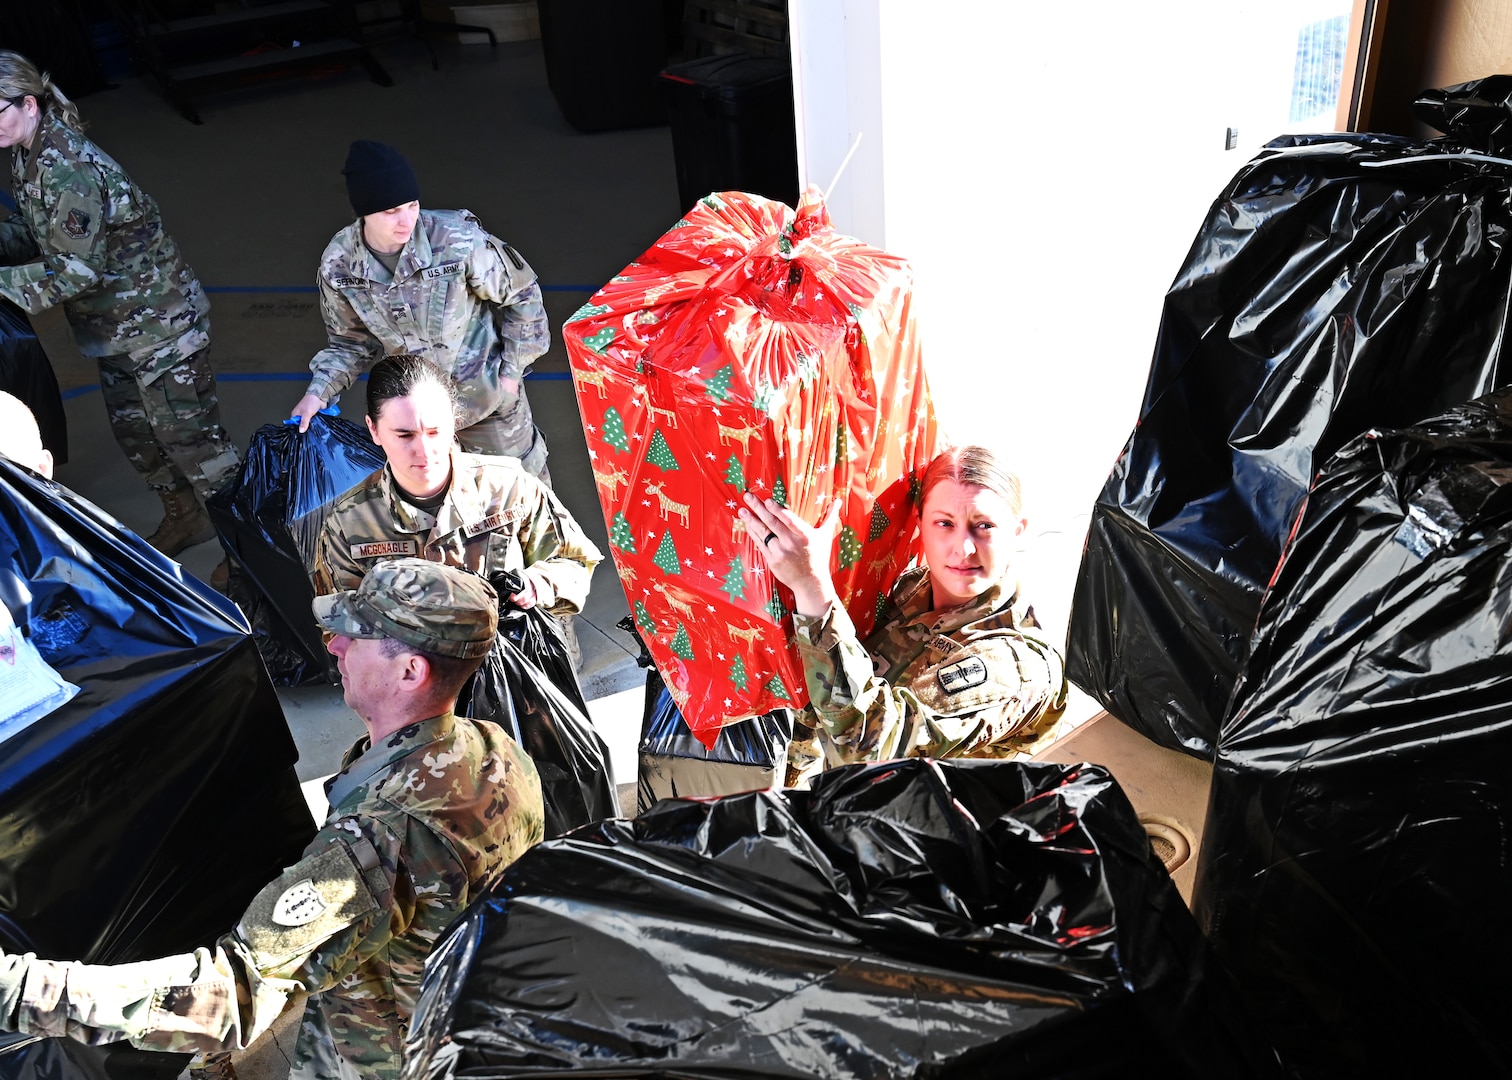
pixel 312 900
pixel 963 675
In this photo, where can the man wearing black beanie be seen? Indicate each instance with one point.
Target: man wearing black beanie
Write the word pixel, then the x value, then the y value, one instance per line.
pixel 436 283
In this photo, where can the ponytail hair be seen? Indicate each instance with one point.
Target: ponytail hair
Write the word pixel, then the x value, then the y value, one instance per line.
pixel 19 78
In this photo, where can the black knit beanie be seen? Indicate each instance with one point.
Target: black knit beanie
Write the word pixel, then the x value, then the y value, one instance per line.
pixel 378 178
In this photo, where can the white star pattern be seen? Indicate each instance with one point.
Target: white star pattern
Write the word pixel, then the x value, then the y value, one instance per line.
pixel 708 551
pixel 688 563
pixel 637 436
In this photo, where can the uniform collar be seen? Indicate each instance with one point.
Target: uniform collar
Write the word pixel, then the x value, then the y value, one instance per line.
pixel 364 761
pixel 916 605
pixel 445 519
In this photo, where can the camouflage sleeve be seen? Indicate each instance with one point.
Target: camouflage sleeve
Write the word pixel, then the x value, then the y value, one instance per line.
pixel 335 569
pixel 996 693
pixel 17 244
pixel 73 248
pixel 505 283
pixel 351 348
pixel 559 557
pixel 304 931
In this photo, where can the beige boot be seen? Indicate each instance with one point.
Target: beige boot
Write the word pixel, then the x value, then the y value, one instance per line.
pixel 184 523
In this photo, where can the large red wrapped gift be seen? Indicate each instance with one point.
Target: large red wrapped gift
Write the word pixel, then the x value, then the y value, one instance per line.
pixel 751 348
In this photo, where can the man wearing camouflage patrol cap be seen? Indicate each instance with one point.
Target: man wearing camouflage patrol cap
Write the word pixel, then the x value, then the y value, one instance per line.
pixel 86 237
pixel 429 807
pixel 434 283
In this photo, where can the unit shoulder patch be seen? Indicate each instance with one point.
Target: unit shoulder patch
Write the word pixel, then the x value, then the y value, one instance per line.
pixel 310 902
pixel 963 675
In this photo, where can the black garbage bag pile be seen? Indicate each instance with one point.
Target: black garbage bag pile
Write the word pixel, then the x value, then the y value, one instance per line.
pixel 269 519
pixel 26 373
pixel 904 919
pixel 1356 848
pixel 140 817
pixel 528 686
pixel 1340 282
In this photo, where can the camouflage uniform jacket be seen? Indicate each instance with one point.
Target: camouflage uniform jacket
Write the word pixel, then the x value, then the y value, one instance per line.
pixel 495 517
pixel 459 296
pixel 94 242
pixel 972 681
pixel 442 807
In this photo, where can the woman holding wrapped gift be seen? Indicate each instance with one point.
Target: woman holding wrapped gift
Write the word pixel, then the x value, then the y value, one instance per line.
pixel 957 666
pixel 433 501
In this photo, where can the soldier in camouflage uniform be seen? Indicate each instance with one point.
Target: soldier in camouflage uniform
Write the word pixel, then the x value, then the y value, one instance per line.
pixel 85 236
pixel 957 666
pixel 428 809
pixel 485 514
pixel 434 283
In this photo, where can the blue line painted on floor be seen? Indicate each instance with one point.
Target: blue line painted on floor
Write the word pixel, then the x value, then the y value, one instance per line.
pixel 311 288
pixel 301 376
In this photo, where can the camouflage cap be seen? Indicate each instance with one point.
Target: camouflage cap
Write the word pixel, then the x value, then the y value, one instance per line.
pixel 439 609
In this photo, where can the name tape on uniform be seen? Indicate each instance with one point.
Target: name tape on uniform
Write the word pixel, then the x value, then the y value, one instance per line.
pixel 385 548
pixel 348 282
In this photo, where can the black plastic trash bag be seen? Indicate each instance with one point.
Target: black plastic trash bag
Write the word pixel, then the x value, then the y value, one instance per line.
pixel 1354 859
pixel 912 918
pixel 269 520
pixel 138 818
pixel 1340 282
pixel 527 685
pixel 27 374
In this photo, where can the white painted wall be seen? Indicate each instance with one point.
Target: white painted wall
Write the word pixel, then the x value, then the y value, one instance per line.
pixel 1044 168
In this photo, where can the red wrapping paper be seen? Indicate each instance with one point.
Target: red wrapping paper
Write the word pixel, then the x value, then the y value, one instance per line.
pixel 751 348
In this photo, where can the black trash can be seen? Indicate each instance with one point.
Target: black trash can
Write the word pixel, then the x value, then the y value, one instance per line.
pixel 603 57
pixel 732 126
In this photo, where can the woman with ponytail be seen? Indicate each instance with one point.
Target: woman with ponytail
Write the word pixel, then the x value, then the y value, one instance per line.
pixel 85 236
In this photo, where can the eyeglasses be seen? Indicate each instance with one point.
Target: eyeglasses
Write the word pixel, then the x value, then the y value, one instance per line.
pixel 8 105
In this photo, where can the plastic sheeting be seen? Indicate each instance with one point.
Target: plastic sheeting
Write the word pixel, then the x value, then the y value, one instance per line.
pixel 528 687
pixel 269 519
pixel 913 918
pixel 1355 852
pixel 755 348
pixel 26 373
pixel 1340 282
pixel 139 818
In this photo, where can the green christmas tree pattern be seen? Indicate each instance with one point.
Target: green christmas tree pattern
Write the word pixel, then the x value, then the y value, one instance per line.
pixel 734 473
pixel 842 445
pixel 915 488
pixel 613 430
pixel 681 644
pixel 738 672
pixel 620 535
pixel 734 582
pixel 643 618
pixel 881 608
pixel 713 201
pixel 666 555
pixel 588 311
pixel 779 493
pixel 879 523
pixel 775 608
pixel 660 453
pixel 776 689
pixel 850 547
pixel 600 341
pixel 718 385
pixel 808 367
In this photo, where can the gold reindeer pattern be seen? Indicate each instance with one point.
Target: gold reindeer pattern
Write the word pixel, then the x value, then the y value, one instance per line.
pixel 742 434
pixel 668 507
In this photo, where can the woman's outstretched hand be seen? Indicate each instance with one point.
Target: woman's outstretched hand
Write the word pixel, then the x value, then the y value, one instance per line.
pixel 796 552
